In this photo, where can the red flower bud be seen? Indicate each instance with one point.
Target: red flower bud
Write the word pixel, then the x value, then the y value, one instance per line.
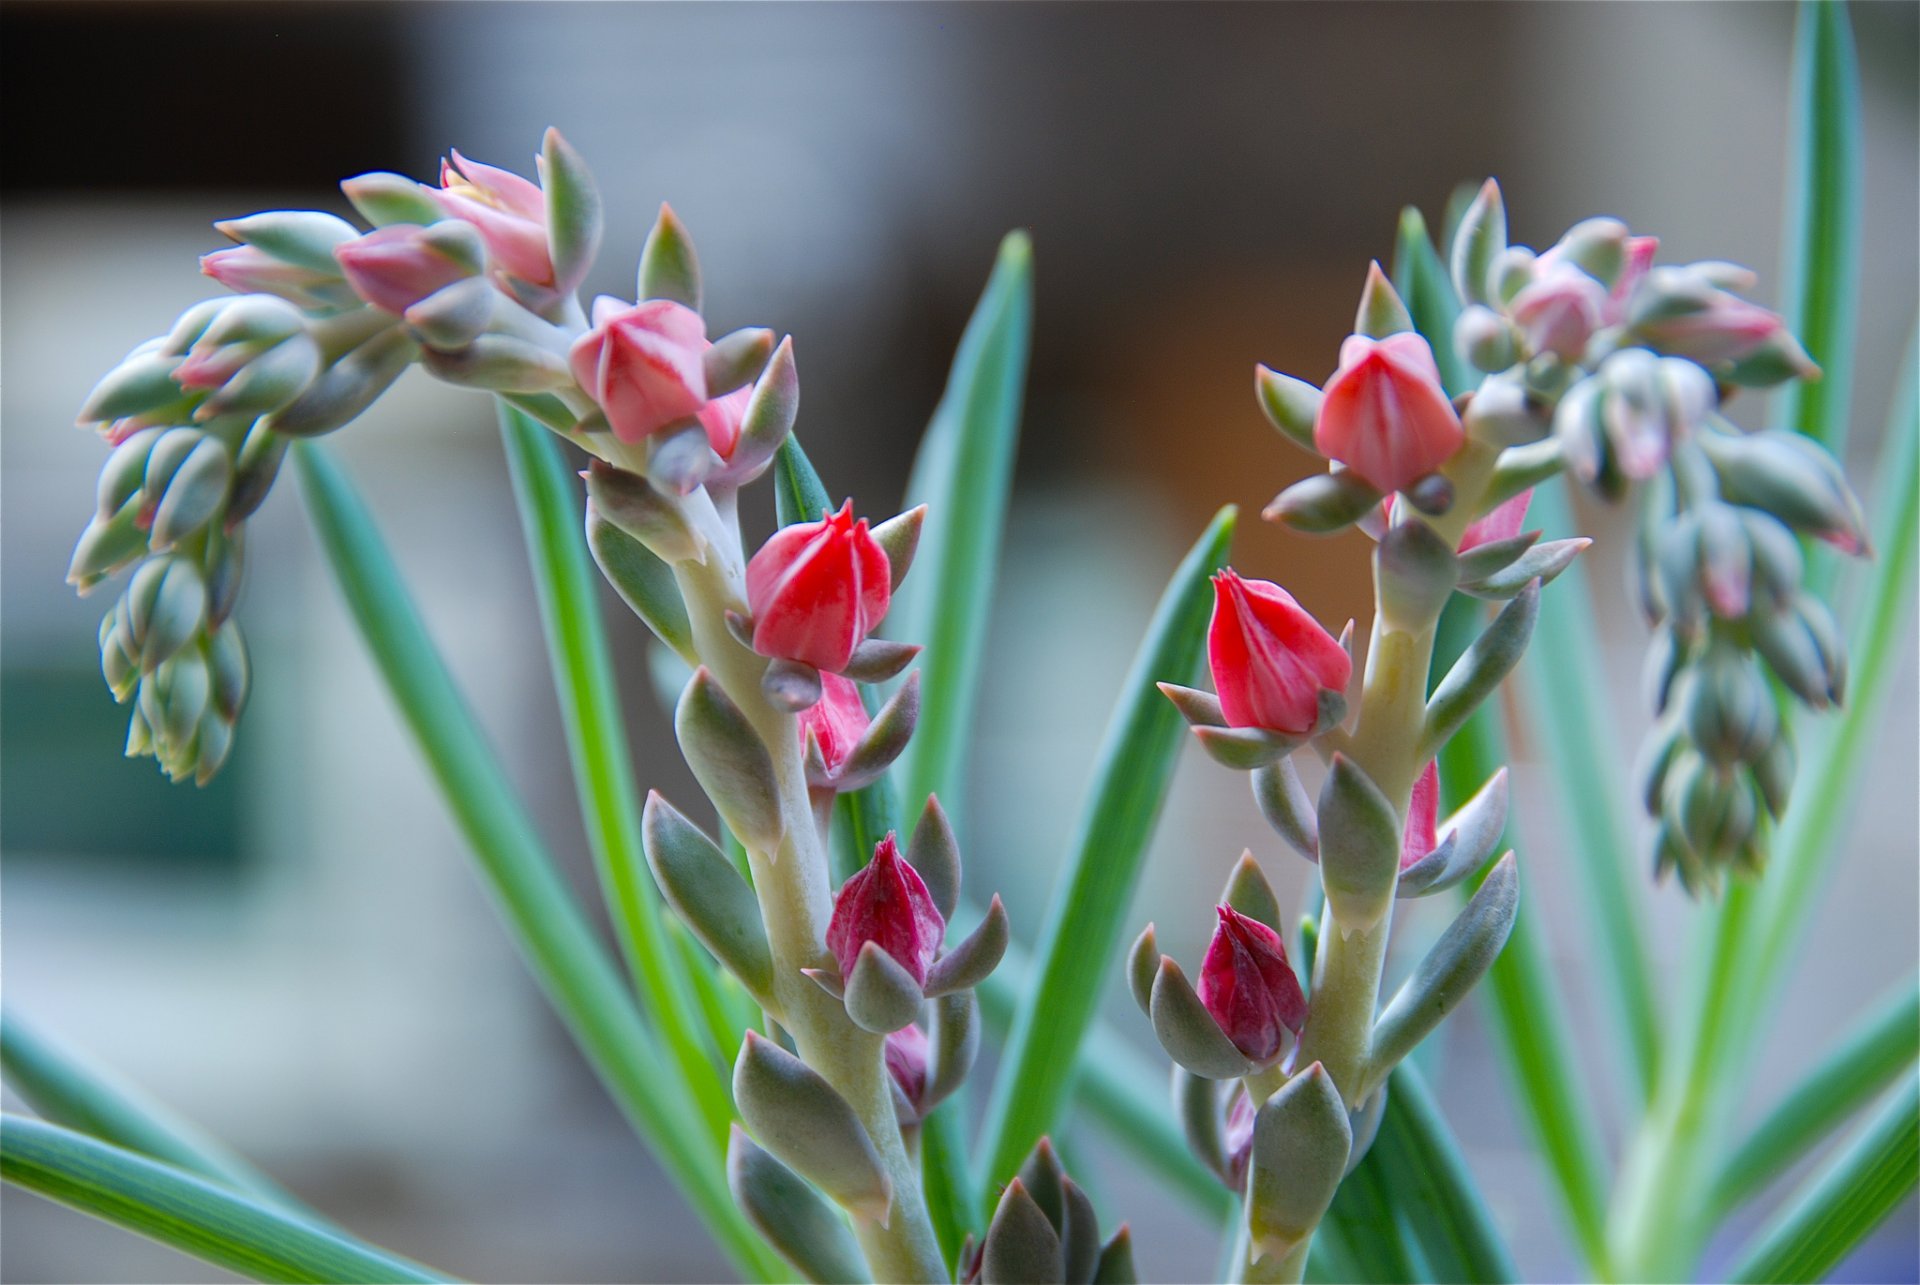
pixel 1384 414
pixel 1248 986
pixel 1423 817
pixel 886 904
pixel 1502 522
pixel 817 589
pixel 395 267
pixel 906 1056
pixel 837 720
pixel 1270 659
pixel 509 211
pixel 1559 310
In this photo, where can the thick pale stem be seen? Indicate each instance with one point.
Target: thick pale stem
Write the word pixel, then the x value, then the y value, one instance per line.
pixel 797 903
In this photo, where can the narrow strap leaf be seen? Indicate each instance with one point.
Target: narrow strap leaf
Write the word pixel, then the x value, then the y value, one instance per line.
pixel 1845 1202
pixel 1079 945
pixel 64 1089
pixel 1857 1070
pixel 590 711
pixel 554 937
pixel 964 473
pixel 191 1214
pixel 1426 287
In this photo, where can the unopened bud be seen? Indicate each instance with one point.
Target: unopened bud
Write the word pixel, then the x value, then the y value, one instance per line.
pixel 166 605
pixel 1484 340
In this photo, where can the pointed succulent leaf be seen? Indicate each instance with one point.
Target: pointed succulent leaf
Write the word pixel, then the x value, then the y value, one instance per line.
pixel 1415 572
pixel 881 995
pixel 1482 560
pixel 802 1227
pixel 1249 892
pixel 1480 669
pixel 953 1045
pixel 875 660
pixel 194 493
pixel 1284 803
pixel 1200 709
pixel 1323 504
pixel 1480 238
pixel 1543 562
pixel 1021 1247
pixel 348 387
pixel 1079 1236
pixel 1467 840
pixel 575 220
pixel 1301 1140
pixel 1464 952
pixel 1143 965
pixel 808 1126
pixel 1116 1265
pixel 899 538
pixel 1188 1032
pixel 643 581
pixel 1359 846
pixel 968 964
pixel 455 315
pixel 1364 1120
pixel 793 685
pixel 1381 311
pixel 736 359
pixel 166 606
pixel 769 416
pixel 886 736
pixel 729 761
pixel 669 269
pixel 1246 748
pixel 1291 405
pixel 708 893
pixel 1196 1104
pixel 304 238
pixel 143 382
pixel 934 854
pixel 107 545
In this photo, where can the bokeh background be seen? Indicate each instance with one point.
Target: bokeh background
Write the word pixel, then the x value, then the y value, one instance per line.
pixel 298 957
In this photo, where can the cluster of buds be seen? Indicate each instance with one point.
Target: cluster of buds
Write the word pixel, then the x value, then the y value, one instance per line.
pixel 1045 1229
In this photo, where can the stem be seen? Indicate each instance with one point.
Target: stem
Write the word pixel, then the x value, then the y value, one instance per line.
pixel 796 904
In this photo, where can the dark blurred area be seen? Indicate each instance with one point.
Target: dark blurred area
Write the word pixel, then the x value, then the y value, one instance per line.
pixel 297 956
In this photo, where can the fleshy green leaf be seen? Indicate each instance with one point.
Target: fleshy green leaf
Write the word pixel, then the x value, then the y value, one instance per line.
pixel 1078 948
pixel 189 1213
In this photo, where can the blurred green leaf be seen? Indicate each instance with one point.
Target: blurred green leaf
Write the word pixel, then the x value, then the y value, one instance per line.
pixel 963 473
pixel 554 937
pixel 1840 1207
pixel 1425 286
pixel 566 581
pixel 191 1214
pixel 1853 1073
pixel 1077 950
pixel 62 1087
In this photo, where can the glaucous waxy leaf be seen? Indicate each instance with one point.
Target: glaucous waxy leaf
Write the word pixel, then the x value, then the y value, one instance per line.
pixel 575 220
pixel 808 1126
pixel 707 892
pixel 886 736
pixel 643 581
pixel 875 660
pixel 1481 236
pixel 1323 504
pixel 899 538
pixel 1200 709
pixel 953 1045
pixel 1283 801
pixel 729 760
pixel 669 269
pixel 1359 846
pixel 1467 840
pixel 881 995
pixel 347 387
pixel 1382 312
pixel 967 964
pixel 455 315
pixel 1188 1032
pixel 736 359
pixel 1116 1265
pixel 1197 1105
pixel 1291 405
pixel 1543 562
pixel 1480 669
pixel 805 1229
pixel 1022 1247
pixel 1143 965
pixel 934 853
pixel 1248 892
pixel 1414 573
pixel 1301 1141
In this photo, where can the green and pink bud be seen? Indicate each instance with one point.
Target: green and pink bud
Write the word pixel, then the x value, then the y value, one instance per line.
pixel 1384 414
pixel 1271 660
pixel 817 589
pixel 509 211
pixel 888 904
pixel 394 268
pixel 1502 522
pixel 646 364
pixel 1249 988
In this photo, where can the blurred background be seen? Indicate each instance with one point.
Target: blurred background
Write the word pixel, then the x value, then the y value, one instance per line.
pixel 298 957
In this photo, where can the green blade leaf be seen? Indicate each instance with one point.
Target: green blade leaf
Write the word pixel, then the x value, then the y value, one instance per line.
pixel 963 473
pixel 1856 1071
pixel 66 1090
pixel 1078 947
pixel 1576 728
pixel 1426 288
pixel 1527 1011
pixel 189 1213
pixel 565 582
pixel 1837 1210
pixel 553 936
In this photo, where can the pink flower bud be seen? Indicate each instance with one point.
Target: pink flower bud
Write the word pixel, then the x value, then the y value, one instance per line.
pixel 395 267
pixel 642 363
pixel 1559 310
pixel 1249 988
pixel 1683 315
pixel 1502 522
pixel 837 720
pixel 246 269
pixel 1384 414
pixel 817 589
pixel 509 211
pixel 1640 252
pixel 906 1056
pixel 722 416
pixel 1423 817
pixel 1270 659
pixel 886 904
